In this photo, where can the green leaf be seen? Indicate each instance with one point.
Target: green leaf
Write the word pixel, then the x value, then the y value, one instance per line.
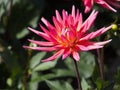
pixel 85 85
pixel 22 34
pixel 43 77
pixel 57 85
pixel 68 86
pixel 101 84
pixel 33 85
pixel 55 74
pixel 63 72
pixel 45 66
pixel 35 60
pixel 86 64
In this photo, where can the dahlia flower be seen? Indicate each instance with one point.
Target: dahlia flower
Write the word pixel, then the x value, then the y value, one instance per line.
pixel 105 3
pixel 68 36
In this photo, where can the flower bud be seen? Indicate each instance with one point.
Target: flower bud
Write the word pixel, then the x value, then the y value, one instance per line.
pixel 114 27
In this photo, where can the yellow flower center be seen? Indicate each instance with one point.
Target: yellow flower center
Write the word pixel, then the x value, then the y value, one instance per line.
pixel 68 38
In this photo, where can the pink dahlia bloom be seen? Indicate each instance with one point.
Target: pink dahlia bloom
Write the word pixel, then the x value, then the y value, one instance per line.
pixel 68 36
pixel 105 3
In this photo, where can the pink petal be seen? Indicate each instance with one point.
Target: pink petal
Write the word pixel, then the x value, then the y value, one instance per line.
pixel 66 54
pixel 57 25
pixel 103 43
pixel 52 34
pixel 88 5
pixel 80 21
pixel 51 28
pixel 47 23
pixel 89 21
pixel 96 33
pixel 76 55
pixel 42 43
pixel 44 35
pixel 55 56
pixel 87 9
pixel 89 47
pixel 41 48
pixel 58 16
pixel 113 3
pixel 92 45
pixel 70 36
pixel 64 14
pixel 70 20
pixel 64 39
pixel 44 29
pixel 73 11
pixel 104 4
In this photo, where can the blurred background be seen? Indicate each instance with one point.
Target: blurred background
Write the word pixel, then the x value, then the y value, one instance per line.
pixel 21 69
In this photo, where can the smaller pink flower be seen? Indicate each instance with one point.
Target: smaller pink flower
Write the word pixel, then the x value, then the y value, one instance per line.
pixel 105 3
pixel 68 36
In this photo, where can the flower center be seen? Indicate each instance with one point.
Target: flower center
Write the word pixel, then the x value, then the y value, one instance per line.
pixel 65 31
pixel 68 37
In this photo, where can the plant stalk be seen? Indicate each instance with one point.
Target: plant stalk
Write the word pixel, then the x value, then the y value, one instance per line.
pixel 101 62
pixel 78 76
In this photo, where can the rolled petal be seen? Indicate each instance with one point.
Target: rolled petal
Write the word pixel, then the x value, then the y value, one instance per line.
pixel 89 21
pixel 113 3
pixel 76 55
pixel 47 23
pixel 88 4
pixel 55 56
pixel 44 35
pixel 50 27
pixel 104 4
pixel 103 43
pixel 79 19
pixel 52 34
pixel 57 25
pixel 65 15
pixel 42 43
pixel 41 48
pixel 70 35
pixel 44 29
pixel 58 16
pixel 96 33
pixel 64 40
pixel 89 47
pixel 73 11
pixel 66 54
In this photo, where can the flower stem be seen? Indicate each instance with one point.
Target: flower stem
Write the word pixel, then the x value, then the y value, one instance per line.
pixel 100 62
pixel 26 72
pixel 78 75
pixel 10 8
